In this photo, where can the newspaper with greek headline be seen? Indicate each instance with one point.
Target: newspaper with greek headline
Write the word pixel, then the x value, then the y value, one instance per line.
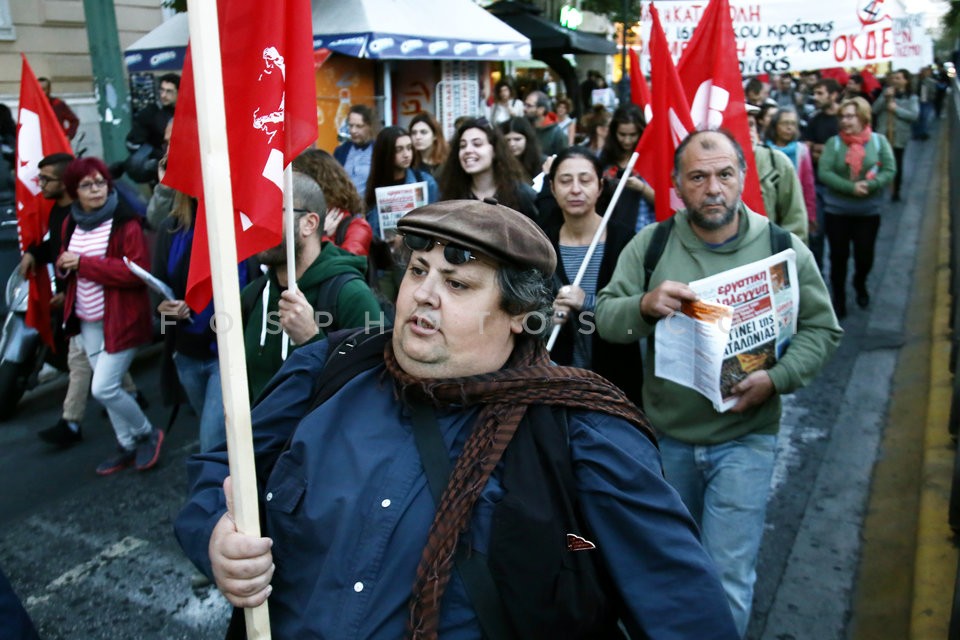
pixel 742 322
pixel 394 202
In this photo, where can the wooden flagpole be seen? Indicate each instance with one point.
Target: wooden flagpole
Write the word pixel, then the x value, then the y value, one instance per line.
pixel 218 200
pixel 596 238
pixel 289 227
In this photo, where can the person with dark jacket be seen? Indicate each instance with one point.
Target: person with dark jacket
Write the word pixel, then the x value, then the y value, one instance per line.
pixel 356 153
pixel 190 365
pixel 280 320
pixel 14 619
pixel 548 473
pixel 145 142
pixel 106 304
pixel 483 167
pixel 576 180
pixel 635 209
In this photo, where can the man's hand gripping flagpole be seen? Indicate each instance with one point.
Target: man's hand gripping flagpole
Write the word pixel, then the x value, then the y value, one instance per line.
pixel 212 126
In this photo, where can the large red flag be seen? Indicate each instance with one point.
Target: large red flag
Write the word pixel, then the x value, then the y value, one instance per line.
pixel 710 72
pixel 669 125
pixel 639 91
pixel 39 134
pixel 271 112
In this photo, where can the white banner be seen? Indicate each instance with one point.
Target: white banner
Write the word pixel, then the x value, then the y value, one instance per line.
pixel 778 36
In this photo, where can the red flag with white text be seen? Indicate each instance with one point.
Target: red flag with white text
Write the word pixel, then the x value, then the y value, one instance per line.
pixel 710 72
pixel 669 125
pixel 639 91
pixel 39 134
pixel 271 112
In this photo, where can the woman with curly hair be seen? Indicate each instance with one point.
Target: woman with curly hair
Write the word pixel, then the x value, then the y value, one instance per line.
pixel 392 165
pixel 485 168
pixel 522 140
pixel 344 225
pixel 505 104
pixel 430 147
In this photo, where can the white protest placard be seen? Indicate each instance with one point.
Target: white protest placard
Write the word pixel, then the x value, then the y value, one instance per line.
pixel 781 36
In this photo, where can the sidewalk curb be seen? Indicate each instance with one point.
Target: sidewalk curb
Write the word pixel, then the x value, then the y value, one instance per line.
pixel 936 556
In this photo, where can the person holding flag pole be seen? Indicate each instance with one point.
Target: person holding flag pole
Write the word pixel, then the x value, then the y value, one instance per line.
pixel 263 108
pixel 39 135
pixel 669 124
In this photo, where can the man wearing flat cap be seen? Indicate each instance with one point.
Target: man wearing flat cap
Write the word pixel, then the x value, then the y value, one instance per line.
pixel 445 480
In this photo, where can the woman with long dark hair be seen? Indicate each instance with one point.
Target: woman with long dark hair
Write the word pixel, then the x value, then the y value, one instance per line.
pixel 392 165
pixel 576 181
pixel 523 144
pixel 190 360
pixel 484 168
pixel 430 147
pixel 635 207
pixel 106 304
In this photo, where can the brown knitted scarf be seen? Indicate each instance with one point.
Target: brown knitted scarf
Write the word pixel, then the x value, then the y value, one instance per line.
pixel 528 378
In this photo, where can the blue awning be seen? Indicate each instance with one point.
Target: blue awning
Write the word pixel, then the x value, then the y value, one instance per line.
pixel 376 29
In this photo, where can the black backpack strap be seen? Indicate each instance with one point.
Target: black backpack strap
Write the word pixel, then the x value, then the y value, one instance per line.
pixel 661 234
pixel 341 233
pixel 472 567
pixel 780 239
pixel 328 293
pixel 352 352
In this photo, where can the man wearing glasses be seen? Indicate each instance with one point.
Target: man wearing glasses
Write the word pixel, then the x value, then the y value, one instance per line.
pixel 455 483
pixel 331 291
pixel 536 107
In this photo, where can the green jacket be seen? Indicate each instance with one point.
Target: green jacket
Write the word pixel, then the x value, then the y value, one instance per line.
pixel 682 413
pixel 781 190
pixel 356 306
pixel 879 167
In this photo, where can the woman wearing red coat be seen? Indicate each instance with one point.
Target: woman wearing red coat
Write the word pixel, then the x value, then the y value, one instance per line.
pixel 107 305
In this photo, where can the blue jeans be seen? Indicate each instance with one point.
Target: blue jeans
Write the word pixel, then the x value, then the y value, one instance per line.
pixel 201 380
pixel 725 488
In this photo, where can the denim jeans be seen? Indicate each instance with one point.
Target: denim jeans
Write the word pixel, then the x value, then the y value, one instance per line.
pixel 725 488
pixel 129 422
pixel 201 380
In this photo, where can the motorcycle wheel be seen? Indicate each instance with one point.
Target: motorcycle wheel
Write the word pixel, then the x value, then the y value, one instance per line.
pixel 12 386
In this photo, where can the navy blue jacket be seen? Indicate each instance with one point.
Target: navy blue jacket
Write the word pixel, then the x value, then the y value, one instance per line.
pixel 349 509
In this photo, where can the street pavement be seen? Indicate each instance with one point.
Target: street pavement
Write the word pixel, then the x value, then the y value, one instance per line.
pixel 95 558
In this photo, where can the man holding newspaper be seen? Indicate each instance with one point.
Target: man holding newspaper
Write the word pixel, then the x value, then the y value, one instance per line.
pixel 718 453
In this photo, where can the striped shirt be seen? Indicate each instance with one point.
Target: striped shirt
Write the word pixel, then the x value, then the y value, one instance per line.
pixel 90 244
pixel 572 257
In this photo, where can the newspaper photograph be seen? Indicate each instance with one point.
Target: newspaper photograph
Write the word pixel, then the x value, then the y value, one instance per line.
pixel 393 202
pixel 742 322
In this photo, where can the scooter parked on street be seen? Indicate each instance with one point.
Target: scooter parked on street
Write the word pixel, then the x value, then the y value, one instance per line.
pixel 22 352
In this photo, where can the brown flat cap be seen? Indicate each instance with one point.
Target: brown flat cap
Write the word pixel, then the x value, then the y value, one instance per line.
pixel 492 229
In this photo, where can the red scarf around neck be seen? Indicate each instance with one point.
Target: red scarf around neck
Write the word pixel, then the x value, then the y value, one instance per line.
pixel 856 150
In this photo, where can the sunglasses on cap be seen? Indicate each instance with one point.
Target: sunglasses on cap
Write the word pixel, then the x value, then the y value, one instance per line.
pixel 452 253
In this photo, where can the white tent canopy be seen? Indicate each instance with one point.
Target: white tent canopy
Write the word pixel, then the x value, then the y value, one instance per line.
pixel 378 29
